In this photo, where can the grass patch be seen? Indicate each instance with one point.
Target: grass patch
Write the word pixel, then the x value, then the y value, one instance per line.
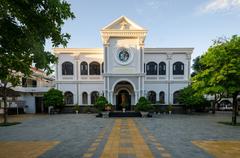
pixel 9 124
pixel 230 123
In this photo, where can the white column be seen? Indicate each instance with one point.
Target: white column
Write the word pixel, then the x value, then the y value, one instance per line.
pixel 169 56
pixel 89 98
pixel 111 97
pixel 77 78
pixel 189 67
pixel 136 97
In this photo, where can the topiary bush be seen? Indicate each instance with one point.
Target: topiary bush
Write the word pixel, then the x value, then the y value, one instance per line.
pixel 144 105
pixel 100 103
pixel 54 97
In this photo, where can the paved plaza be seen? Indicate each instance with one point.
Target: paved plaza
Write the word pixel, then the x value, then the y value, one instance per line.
pixel 84 135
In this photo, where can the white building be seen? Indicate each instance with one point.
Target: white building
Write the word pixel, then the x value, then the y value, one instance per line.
pixel 31 93
pixel 123 67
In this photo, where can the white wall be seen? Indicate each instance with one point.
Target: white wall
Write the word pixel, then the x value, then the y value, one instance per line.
pixel 132 46
pixel 30 102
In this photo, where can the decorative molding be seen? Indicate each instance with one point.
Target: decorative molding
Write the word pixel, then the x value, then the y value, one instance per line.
pixel 80 82
pixel 123 33
pixel 169 50
pixel 58 51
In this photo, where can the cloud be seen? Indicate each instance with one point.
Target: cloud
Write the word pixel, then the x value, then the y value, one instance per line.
pixel 220 5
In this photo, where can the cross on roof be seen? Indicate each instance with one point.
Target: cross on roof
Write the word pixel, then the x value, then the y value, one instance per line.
pixel 123 24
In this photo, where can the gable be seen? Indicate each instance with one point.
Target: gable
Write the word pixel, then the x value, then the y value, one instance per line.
pixel 123 23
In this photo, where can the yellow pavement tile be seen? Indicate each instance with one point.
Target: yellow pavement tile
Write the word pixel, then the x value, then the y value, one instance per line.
pixel 119 136
pixel 220 149
pixel 92 149
pixel 25 149
pixel 87 155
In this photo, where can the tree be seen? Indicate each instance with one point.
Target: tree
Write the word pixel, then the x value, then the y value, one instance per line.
pixel 191 99
pixel 25 25
pixel 216 91
pixel 197 66
pixel 54 97
pixel 143 105
pixel 222 70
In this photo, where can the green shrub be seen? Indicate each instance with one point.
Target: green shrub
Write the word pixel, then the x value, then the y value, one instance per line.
pixel 101 103
pixel 77 108
pixel 169 107
pixel 54 97
pixel 144 105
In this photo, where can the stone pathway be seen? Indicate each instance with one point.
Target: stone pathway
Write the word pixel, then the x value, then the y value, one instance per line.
pixel 85 136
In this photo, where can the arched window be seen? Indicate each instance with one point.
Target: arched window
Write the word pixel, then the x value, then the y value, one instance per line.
pixel 68 97
pixel 175 96
pixel 67 68
pixel 162 68
pixel 94 68
pixel 151 68
pixel 103 67
pixel 84 68
pixel 152 97
pixel 161 97
pixel 84 98
pixel 94 96
pixel 178 68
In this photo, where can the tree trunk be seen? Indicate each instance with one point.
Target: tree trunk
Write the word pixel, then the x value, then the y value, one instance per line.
pixel 237 110
pixel 5 105
pixel 234 111
pixel 214 106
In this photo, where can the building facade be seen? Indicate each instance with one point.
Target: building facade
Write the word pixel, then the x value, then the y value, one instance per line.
pixel 31 91
pixel 124 69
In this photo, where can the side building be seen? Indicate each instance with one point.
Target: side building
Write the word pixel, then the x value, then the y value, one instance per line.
pixel 28 96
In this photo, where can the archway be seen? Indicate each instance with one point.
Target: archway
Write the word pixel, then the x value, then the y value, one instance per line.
pixel 124 92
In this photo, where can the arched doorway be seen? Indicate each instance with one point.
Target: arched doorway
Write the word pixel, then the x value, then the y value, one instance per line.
pixel 124 92
pixel 123 98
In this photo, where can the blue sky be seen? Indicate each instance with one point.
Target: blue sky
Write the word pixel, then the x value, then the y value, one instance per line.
pixel 170 23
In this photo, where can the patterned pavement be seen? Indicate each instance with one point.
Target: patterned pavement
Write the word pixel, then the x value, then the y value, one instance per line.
pixel 86 136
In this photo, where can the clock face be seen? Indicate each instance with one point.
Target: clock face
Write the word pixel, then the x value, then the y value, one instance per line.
pixel 123 55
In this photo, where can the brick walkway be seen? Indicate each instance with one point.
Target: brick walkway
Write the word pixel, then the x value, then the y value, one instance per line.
pixel 164 136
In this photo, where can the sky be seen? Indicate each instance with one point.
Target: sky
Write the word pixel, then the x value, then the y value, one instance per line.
pixel 170 23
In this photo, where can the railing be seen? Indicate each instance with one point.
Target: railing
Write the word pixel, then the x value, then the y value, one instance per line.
pixel 14 103
pixel 32 89
pixel 91 77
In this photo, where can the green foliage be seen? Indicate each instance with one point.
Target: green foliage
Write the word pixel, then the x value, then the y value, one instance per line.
pixel 77 108
pixel 169 108
pixel 101 102
pixel 143 105
pixel 54 98
pixel 190 98
pixel 25 26
pixel 9 124
pixel 221 73
pixel 197 66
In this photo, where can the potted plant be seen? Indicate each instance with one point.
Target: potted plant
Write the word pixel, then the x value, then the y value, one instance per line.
pixel 108 107
pixel 170 108
pixel 123 105
pixel 77 108
pixel 100 105
pixel 143 106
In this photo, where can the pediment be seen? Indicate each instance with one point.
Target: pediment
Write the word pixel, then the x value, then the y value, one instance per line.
pixel 123 23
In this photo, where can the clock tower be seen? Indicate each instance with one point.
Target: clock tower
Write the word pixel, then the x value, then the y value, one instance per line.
pixel 123 43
